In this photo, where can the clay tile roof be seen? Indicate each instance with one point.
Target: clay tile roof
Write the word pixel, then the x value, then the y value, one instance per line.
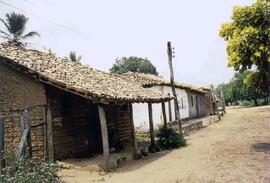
pixel 75 77
pixel 148 80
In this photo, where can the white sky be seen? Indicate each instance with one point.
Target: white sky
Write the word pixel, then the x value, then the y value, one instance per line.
pixel 118 28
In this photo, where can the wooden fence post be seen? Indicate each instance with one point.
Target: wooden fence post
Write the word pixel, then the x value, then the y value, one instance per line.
pixel 164 114
pixel 2 145
pixel 105 137
pixel 151 127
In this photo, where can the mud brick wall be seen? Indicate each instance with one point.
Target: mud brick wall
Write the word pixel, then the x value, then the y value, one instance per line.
pixel 118 122
pixel 75 121
pixel 18 91
pixel 76 125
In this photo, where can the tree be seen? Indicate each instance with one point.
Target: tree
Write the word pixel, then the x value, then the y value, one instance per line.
pixel 237 89
pixel 133 64
pixel 74 57
pixel 248 40
pixel 15 25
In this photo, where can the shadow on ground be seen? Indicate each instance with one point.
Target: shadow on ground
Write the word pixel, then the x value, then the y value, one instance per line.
pixel 262 147
pixel 135 164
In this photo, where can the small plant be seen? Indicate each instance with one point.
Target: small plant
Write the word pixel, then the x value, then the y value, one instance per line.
pixel 29 171
pixel 169 138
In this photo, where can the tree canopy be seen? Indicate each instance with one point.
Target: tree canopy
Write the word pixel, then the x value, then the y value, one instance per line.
pixel 133 64
pixel 248 42
pixel 15 25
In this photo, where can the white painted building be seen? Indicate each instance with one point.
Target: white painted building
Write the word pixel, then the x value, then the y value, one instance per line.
pixel 140 111
pixel 160 85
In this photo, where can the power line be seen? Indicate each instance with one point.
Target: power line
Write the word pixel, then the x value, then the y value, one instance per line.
pixel 48 21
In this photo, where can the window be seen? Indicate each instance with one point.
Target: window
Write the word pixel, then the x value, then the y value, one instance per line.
pixel 191 99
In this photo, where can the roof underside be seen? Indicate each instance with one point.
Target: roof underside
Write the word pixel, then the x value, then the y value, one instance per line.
pixel 77 78
pixel 148 80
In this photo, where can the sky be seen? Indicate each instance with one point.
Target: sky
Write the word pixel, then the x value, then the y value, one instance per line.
pixel 103 30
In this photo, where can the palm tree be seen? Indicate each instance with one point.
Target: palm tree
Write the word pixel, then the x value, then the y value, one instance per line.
pixel 74 57
pixel 15 25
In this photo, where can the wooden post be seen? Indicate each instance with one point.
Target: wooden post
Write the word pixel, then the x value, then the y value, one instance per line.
pixel 133 132
pixel 23 143
pixel 170 110
pixel 2 145
pixel 104 134
pixel 176 106
pixel 45 134
pixel 151 127
pixel 164 114
pixel 50 149
pixel 223 100
pixel 29 138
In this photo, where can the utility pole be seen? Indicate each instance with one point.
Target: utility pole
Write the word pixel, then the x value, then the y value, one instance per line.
pixel 176 106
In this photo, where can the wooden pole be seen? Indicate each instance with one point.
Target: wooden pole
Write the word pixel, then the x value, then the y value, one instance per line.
pixel 176 106
pixel 104 135
pixel 151 127
pixel 170 110
pixel 45 134
pixel 164 114
pixel 223 100
pixel 50 148
pixel 29 138
pixel 2 144
pixel 133 132
pixel 23 143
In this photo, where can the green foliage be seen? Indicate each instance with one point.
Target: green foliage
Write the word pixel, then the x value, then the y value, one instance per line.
pixel 15 25
pixel 248 38
pixel 258 81
pixel 169 138
pixel 133 64
pixel 237 90
pixel 74 57
pixel 29 171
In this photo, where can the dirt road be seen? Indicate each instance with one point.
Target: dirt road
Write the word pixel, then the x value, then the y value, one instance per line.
pixel 237 149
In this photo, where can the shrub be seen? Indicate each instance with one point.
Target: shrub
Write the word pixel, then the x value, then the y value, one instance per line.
pixel 169 138
pixel 30 171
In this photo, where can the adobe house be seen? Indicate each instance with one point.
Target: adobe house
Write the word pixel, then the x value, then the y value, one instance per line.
pixel 193 101
pixel 75 110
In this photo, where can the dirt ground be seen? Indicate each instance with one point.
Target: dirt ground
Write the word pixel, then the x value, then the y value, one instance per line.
pixel 237 149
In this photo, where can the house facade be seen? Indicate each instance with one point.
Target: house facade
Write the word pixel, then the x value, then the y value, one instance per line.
pixel 193 102
pixel 74 110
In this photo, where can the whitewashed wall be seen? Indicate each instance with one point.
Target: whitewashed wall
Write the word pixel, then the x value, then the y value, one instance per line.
pixel 140 111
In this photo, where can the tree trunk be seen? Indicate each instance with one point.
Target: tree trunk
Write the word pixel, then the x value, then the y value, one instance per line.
pixel 255 102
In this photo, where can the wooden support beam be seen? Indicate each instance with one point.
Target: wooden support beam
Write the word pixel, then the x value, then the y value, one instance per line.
pixel 133 132
pixel 151 127
pixel 23 143
pixel 104 135
pixel 2 145
pixel 29 138
pixel 50 149
pixel 45 134
pixel 164 114
pixel 170 110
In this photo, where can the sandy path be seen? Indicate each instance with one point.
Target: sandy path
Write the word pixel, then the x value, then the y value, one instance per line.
pixel 237 149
